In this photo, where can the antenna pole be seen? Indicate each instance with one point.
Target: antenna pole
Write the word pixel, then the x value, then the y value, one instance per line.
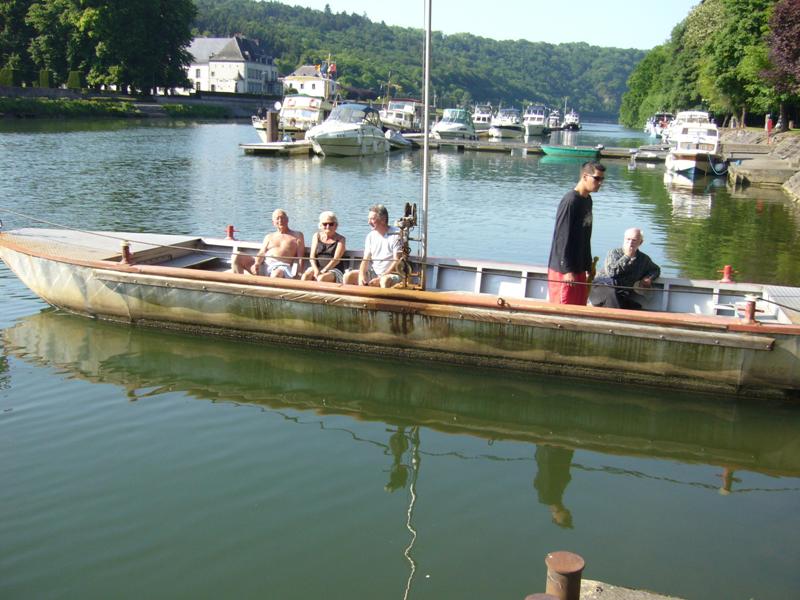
pixel 426 134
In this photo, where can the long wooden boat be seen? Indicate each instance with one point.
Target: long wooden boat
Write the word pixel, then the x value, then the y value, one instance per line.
pixel 572 151
pixel 734 436
pixel 692 334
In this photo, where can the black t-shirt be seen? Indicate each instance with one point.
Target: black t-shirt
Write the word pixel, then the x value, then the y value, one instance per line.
pixel 571 250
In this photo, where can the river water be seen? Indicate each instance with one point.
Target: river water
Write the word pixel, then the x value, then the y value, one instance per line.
pixel 147 463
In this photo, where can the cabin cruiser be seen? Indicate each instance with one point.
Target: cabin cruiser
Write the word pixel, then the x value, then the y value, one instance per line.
pixel 482 118
pixel 695 117
pixel 403 115
pixel 658 123
pixel 506 124
pixel 351 130
pixel 694 151
pixel 534 120
pixel 572 121
pixel 554 120
pixel 314 94
pixel 694 146
pixel 456 124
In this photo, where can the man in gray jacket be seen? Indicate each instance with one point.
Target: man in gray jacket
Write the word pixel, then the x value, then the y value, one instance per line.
pixel 623 269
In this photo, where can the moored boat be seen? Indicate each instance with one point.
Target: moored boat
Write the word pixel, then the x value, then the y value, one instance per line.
pixel 313 91
pixel 572 151
pixel 350 130
pixel 534 120
pixel 554 120
pixel 702 335
pixel 506 124
pixel 658 123
pixel 456 124
pixel 694 146
pixel 403 114
pixel 572 121
pixel 482 119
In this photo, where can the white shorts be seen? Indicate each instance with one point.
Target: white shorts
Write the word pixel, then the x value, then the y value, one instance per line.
pixel 270 266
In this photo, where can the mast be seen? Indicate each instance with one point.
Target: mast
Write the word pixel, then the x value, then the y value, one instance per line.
pixel 425 136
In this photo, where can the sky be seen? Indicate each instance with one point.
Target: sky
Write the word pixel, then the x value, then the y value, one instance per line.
pixel 610 23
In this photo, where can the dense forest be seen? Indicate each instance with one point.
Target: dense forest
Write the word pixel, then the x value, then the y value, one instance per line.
pixel 141 45
pixel 733 57
pixel 464 68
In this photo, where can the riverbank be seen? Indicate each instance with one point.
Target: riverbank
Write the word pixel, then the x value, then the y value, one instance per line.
pixel 783 157
pixel 103 107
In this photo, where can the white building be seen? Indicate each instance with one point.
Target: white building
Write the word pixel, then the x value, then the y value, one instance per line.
pixel 310 81
pixel 236 65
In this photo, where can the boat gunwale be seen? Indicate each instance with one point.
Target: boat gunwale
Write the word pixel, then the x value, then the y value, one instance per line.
pixel 455 298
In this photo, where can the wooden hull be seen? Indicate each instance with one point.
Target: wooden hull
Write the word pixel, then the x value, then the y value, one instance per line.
pixel 682 351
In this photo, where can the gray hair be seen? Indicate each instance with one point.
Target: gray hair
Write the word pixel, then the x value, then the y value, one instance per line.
pixel 327 216
pixel 380 210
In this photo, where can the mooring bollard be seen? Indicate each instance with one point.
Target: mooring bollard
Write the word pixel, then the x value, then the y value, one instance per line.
pixel 727 274
pixel 749 312
pixel 564 571
pixel 127 257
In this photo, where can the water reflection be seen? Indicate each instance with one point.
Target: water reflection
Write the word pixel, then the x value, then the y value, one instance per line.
pixel 734 435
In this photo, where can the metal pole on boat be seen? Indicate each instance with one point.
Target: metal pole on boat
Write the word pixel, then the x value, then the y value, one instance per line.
pixel 425 140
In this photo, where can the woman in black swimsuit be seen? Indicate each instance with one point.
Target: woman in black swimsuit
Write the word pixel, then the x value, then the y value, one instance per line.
pixel 327 250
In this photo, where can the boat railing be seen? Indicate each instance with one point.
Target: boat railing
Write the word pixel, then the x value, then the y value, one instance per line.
pixel 512 280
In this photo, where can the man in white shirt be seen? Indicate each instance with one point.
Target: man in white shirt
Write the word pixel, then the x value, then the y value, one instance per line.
pixel 382 252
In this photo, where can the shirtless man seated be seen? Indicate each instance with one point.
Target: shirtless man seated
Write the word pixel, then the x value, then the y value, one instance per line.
pixel 280 250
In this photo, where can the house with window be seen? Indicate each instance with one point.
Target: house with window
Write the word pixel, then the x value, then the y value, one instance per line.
pixel 311 80
pixel 235 65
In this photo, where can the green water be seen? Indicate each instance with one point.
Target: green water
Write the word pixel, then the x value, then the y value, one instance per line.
pixel 141 463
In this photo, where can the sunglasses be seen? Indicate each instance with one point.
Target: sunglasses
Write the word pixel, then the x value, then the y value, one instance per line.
pixel 329 224
pixel 597 177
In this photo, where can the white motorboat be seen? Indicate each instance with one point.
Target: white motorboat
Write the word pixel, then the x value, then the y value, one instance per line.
pixel 506 124
pixel 313 95
pixel 572 121
pixel 658 123
pixel 534 120
pixel 350 130
pixel 482 118
pixel 456 124
pixel 554 120
pixel 694 141
pixel 403 114
pixel 691 117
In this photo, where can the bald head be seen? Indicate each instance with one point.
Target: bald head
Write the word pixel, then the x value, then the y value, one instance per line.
pixel 633 239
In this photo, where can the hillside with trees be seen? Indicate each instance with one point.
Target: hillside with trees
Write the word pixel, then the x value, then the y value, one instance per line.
pixel 733 57
pixel 465 68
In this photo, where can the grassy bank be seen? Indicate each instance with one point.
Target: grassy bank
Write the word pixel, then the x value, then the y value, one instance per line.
pixel 64 108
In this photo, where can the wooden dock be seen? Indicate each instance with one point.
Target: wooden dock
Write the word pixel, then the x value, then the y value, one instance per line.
pixel 516 148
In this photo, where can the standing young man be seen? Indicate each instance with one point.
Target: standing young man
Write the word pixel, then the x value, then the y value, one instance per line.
pixel 570 261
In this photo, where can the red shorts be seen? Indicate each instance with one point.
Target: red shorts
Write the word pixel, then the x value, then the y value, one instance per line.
pixel 564 293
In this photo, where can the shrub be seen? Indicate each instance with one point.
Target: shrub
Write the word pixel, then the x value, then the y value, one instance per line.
pixel 45 78
pixel 74 80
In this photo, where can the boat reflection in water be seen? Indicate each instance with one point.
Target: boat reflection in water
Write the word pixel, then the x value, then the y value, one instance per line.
pixel 691 198
pixel 732 435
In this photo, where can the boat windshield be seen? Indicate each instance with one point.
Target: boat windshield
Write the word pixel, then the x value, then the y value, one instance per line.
pixel 349 113
pixel 454 115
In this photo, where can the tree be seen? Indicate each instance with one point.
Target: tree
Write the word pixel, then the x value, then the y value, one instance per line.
pixel 14 36
pixel 784 52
